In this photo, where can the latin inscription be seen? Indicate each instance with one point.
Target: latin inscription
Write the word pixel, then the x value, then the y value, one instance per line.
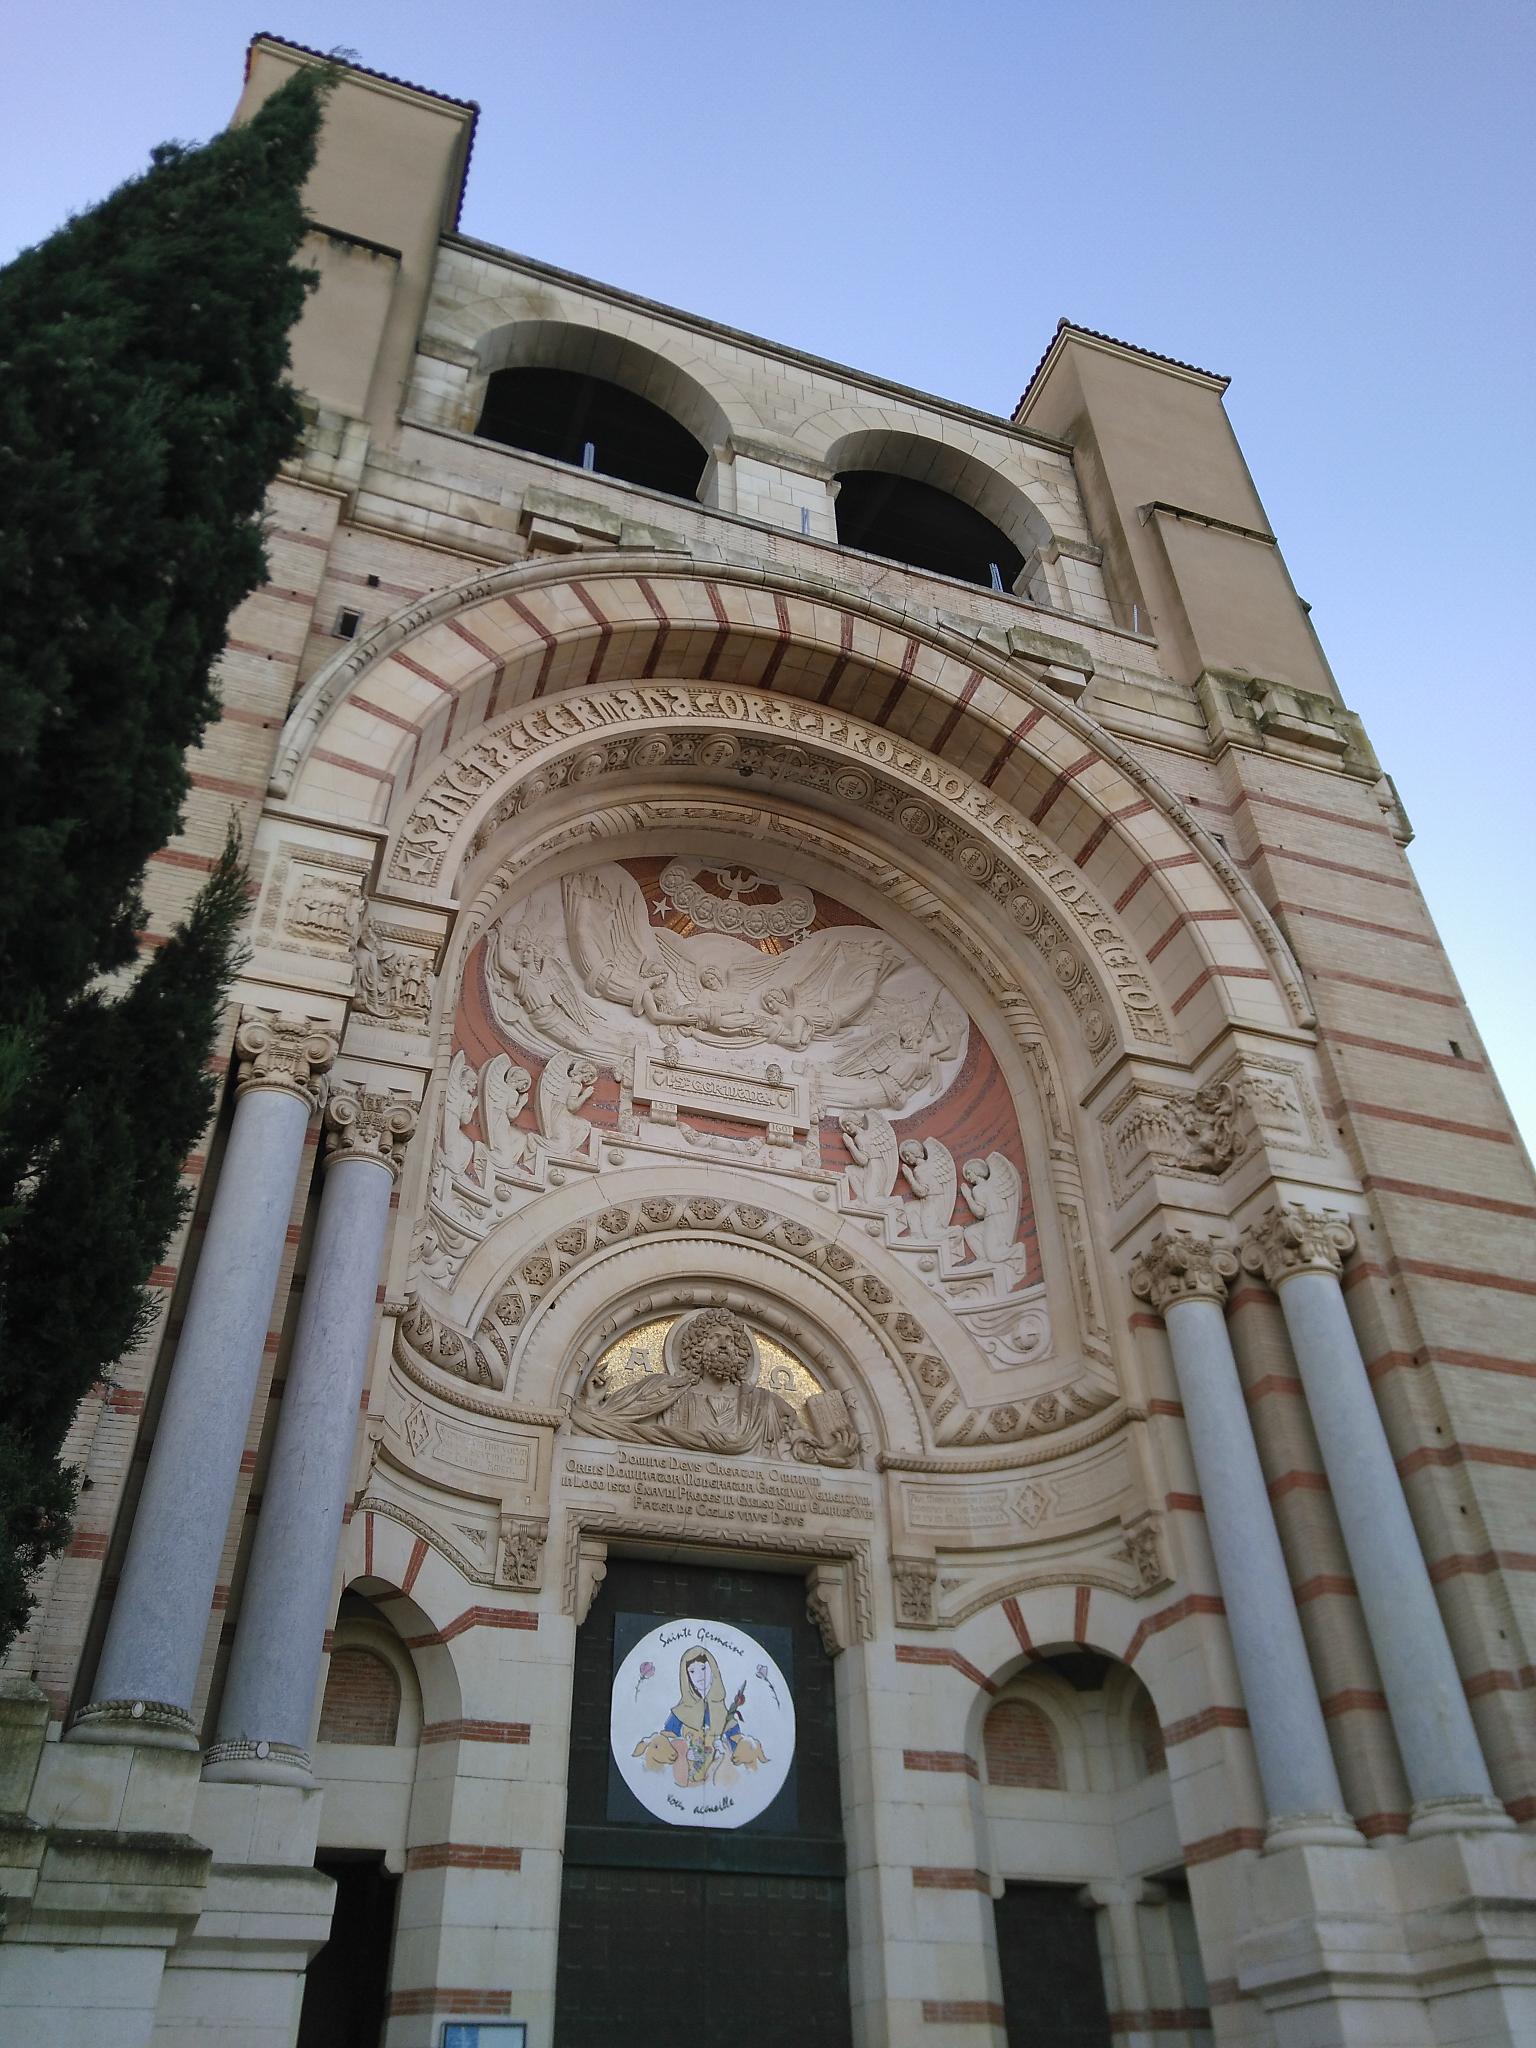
pixel 731 1496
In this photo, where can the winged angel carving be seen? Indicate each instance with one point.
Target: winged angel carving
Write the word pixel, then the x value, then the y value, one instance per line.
pixel 580 969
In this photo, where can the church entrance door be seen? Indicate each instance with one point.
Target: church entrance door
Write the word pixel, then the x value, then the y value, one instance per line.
pixel 703 1887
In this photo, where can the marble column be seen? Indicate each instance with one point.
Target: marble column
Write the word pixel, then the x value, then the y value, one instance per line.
pixel 1184 1278
pixel 269 1695
pixel 1301 1253
pixel 147 1678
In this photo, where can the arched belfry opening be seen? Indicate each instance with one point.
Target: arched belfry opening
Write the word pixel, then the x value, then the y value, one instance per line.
pixel 902 517
pixel 572 416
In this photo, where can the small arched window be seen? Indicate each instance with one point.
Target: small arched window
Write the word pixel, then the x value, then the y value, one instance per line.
pixel 1020 1747
pixel 909 521
pixel 362 1700
pixel 573 417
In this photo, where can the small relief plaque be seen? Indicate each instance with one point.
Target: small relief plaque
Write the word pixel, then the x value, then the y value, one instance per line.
pixel 702 1725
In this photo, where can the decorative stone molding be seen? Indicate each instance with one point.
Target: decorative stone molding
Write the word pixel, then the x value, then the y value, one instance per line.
pixel 1294 1239
pixel 368 1123
pixel 829 1605
pixel 483 1356
pixel 1180 1266
pixel 285 1763
pixel 586 1568
pixel 1252 1105
pixel 157 1723
pixel 276 1049
pixel 828 753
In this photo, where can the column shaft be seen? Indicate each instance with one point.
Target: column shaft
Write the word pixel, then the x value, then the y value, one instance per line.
pixel 155 1637
pixel 1295 1762
pixel 269 1695
pixel 1435 1732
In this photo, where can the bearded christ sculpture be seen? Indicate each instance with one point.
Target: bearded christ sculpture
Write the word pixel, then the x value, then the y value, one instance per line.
pixel 708 1400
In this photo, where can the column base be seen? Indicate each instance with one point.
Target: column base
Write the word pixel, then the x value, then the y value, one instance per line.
pixel 239 1761
pixel 1472 1815
pixel 1311 1831
pixel 152 1724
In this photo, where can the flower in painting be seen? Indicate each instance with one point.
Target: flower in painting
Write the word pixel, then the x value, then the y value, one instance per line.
pixel 647 1670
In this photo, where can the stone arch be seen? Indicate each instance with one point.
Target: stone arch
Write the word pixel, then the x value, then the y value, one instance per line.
pixel 463 1349
pixel 691 390
pixel 957 471
pixel 377 1562
pixel 422 741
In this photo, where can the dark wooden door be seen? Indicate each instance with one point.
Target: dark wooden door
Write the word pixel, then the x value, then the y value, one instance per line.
pixel 347 1981
pixel 672 1934
pixel 1053 1983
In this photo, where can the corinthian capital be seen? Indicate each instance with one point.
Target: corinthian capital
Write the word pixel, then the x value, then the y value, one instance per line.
pixel 1180 1266
pixel 275 1049
pixel 368 1123
pixel 1297 1240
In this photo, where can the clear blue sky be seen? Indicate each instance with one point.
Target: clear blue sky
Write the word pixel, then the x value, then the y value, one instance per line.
pixel 1331 203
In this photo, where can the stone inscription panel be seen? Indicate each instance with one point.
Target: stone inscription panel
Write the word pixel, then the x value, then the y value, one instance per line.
pixel 724 1495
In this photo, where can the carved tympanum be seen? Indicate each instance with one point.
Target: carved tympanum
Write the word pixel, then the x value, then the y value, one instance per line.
pixel 708 1399
pixel 1297 1240
pixel 1182 1267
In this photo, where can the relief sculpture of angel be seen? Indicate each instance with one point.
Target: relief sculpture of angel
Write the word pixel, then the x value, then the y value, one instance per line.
pixel 872 1177
pixel 994 1195
pixel 564 1086
pixel 504 1090
pixel 928 1168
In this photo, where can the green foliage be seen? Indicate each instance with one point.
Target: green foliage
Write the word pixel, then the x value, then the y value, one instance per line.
pixel 144 409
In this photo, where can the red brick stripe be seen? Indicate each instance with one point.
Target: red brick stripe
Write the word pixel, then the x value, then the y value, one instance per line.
pixel 1462 1566
pixel 836 672
pixel 1471 1454
pixel 955 712
pixel 519 1733
pixel 1457 1197
pixel 1184 1503
pixel 1226 973
pixel 938 1760
pixel 346 761
pixel 963 2012
pixel 771 666
pixel 1325 1585
pixel 1384 1113
pixel 537 625
pixel 1315 860
pixel 722 635
pixel 1160 2018
pixel 462 1856
pixel 1399 1051
pixel 457 626
pixel 1025 725
pixel 389 717
pixel 898 686
pixel 449 1998
pixel 1080 1614
pixel 1188 917
pixel 1158 1406
pixel 221 785
pixel 1058 784
pixel 1355 1699
pixel 1371 1825
pixel 1211 1848
pixel 1285 803
pixel 1296 1482
pixel 474 1617
pixel 1015 1620
pixel 1101 831
pixel 922 1653
pixel 1202 1723
pixel 426 674
pixel 1147 870
pixel 590 605
pixel 933 1880
pixel 1170 1617
pixel 413 1569
pixel 1272 1383
pixel 1386 988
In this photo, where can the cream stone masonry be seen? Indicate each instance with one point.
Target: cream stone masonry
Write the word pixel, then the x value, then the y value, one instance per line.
pixel 942 1097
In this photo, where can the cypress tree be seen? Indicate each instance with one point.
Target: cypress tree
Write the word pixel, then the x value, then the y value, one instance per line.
pixel 144 410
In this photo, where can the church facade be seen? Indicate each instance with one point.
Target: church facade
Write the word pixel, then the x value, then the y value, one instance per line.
pixel 854 1360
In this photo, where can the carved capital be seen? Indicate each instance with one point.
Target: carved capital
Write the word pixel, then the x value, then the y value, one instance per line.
pixel 1179 1266
pixel 368 1123
pixel 276 1049
pixel 1294 1239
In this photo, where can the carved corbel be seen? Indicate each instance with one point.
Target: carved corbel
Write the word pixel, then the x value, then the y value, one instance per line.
pixel 829 1605
pixel 1141 1546
pixel 521 1550
pixel 915 1581
pixel 591 1570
